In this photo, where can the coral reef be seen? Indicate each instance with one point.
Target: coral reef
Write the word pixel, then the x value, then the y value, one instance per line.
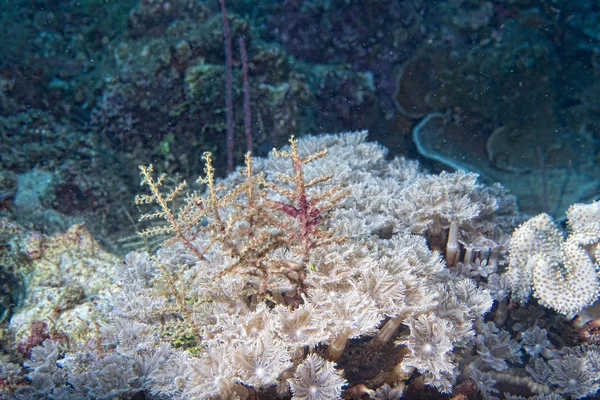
pixel 172 76
pixel 132 82
pixel 264 271
pixel 56 175
pixel 324 271
pixel 328 269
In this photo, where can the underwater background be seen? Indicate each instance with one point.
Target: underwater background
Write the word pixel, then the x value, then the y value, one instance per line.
pixel 459 95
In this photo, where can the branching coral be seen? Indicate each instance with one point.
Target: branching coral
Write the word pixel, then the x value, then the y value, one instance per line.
pixel 302 209
pixel 244 222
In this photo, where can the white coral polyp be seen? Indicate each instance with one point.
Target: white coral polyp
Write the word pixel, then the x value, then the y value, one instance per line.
pixel 206 377
pixel 316 379
pixel 260 362
pixel 429 350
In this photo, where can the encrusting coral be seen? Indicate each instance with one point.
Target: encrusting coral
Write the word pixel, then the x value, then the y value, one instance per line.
pixel 319 272
pixel 64 275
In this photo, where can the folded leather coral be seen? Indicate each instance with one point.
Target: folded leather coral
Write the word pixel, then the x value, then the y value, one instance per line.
pixel 561 272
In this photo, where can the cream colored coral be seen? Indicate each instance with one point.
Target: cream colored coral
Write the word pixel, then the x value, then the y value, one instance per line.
pixel 535 236
pixel 562 273
pixel 65 273
pixel 582 215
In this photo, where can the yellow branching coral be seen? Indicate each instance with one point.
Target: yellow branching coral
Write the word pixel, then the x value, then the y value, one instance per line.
pixel 246 224
pixel 302 210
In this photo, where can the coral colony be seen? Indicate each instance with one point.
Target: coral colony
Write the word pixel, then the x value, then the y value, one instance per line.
pixel 325 271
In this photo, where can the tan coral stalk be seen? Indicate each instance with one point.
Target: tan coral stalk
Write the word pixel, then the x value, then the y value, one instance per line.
pixel 501 314
pixel 337 346
pixel 452 248
pixel 277 297
pixel 388 329
pixel 469 255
